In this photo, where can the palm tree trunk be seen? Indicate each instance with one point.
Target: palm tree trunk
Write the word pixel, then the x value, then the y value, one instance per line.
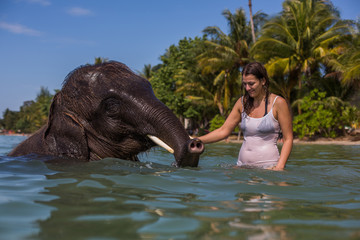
pixel 221 108
pixel 252 22
pixel 299 94
pixel 226 93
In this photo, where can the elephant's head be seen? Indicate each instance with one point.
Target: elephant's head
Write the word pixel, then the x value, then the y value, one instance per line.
pixel 108 111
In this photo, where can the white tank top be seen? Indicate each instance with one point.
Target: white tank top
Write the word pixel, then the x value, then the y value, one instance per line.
pixel 259 148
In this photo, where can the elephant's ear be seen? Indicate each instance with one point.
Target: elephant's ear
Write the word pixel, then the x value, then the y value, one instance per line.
pixel 64 134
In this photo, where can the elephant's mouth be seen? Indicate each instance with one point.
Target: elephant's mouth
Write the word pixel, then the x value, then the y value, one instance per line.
pixel 190 154
pixel 160 143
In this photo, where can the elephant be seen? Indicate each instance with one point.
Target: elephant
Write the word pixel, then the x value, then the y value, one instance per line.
pixel 106 110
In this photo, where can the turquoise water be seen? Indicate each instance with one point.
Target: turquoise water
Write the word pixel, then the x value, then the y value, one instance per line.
pixel 317 197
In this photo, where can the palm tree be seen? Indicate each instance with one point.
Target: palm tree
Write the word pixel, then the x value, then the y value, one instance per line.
pixel 345 61
pixel 225 55
pixel 294 43
pixel 252 22
pixel 146 72
pixel 99 60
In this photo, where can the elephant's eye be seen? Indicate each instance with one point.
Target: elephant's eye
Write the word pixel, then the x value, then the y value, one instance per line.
pixel 112 106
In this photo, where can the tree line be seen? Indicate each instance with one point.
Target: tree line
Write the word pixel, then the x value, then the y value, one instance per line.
pixel 312 57
pixel 32 114
pixel 311 54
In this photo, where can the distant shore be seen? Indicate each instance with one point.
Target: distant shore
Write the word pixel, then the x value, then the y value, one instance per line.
pixel 345 140
pixel 15 134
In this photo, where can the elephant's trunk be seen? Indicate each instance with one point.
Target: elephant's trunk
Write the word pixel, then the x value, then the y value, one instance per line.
pixel 194 146
pixel 170 131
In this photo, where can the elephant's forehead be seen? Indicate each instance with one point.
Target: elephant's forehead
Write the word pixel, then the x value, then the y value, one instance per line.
pixel 100 84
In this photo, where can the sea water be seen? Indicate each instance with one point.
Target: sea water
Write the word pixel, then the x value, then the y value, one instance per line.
pixel 316 197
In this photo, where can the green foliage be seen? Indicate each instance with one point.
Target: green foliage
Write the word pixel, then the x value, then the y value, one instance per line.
pixel 322 116
pixel 305 46
pixel 163 83
pixel 225 54
pixel 146 72
pixel 191 113
pixel 32 114
pixel 173 82
pixel 296 42
pixel 345 61
pixel 216 122
pixel 200 75
pixel 99 60
pixel 9 119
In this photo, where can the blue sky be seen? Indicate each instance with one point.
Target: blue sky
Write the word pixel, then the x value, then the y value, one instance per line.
pixel 41 41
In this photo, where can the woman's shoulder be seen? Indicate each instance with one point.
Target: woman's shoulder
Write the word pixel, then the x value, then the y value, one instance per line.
pixel 279 102
pixel 277 99
pixel 239 104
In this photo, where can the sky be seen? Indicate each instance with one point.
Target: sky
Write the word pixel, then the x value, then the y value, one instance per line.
pixel 41 41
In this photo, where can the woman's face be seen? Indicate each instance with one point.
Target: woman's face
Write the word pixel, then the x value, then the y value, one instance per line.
pixel 253 85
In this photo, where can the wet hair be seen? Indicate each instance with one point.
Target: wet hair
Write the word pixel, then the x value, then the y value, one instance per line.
pixel 259 71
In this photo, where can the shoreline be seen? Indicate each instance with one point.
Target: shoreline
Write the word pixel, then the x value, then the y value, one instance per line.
pixel 346 140
pixel 330 141
pixel 15 134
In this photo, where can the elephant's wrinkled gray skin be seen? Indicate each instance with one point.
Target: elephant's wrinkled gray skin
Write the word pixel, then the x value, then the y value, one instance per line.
pixel 107 111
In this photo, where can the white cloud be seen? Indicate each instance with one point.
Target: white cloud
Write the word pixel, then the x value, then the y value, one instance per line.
pixel 19 29
pixel 78 11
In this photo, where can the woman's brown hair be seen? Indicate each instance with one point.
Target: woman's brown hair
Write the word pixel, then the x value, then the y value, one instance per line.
pixel 259 71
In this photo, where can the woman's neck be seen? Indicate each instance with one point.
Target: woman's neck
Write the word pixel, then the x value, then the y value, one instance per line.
pixel 259 99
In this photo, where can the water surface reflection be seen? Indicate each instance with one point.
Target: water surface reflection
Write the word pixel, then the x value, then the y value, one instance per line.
pixel 318 196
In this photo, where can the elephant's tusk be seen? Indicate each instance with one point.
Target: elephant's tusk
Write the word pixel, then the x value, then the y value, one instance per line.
pixel 161 143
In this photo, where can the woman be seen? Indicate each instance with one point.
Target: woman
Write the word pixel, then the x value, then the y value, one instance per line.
pixel 262 115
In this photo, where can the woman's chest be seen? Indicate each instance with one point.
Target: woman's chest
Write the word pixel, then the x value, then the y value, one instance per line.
pixel 259 126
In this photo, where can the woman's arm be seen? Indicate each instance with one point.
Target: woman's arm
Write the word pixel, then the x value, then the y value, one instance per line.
pixel 285 121
pixel 225 130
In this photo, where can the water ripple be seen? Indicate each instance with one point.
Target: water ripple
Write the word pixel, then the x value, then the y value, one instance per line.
pixel 317 195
